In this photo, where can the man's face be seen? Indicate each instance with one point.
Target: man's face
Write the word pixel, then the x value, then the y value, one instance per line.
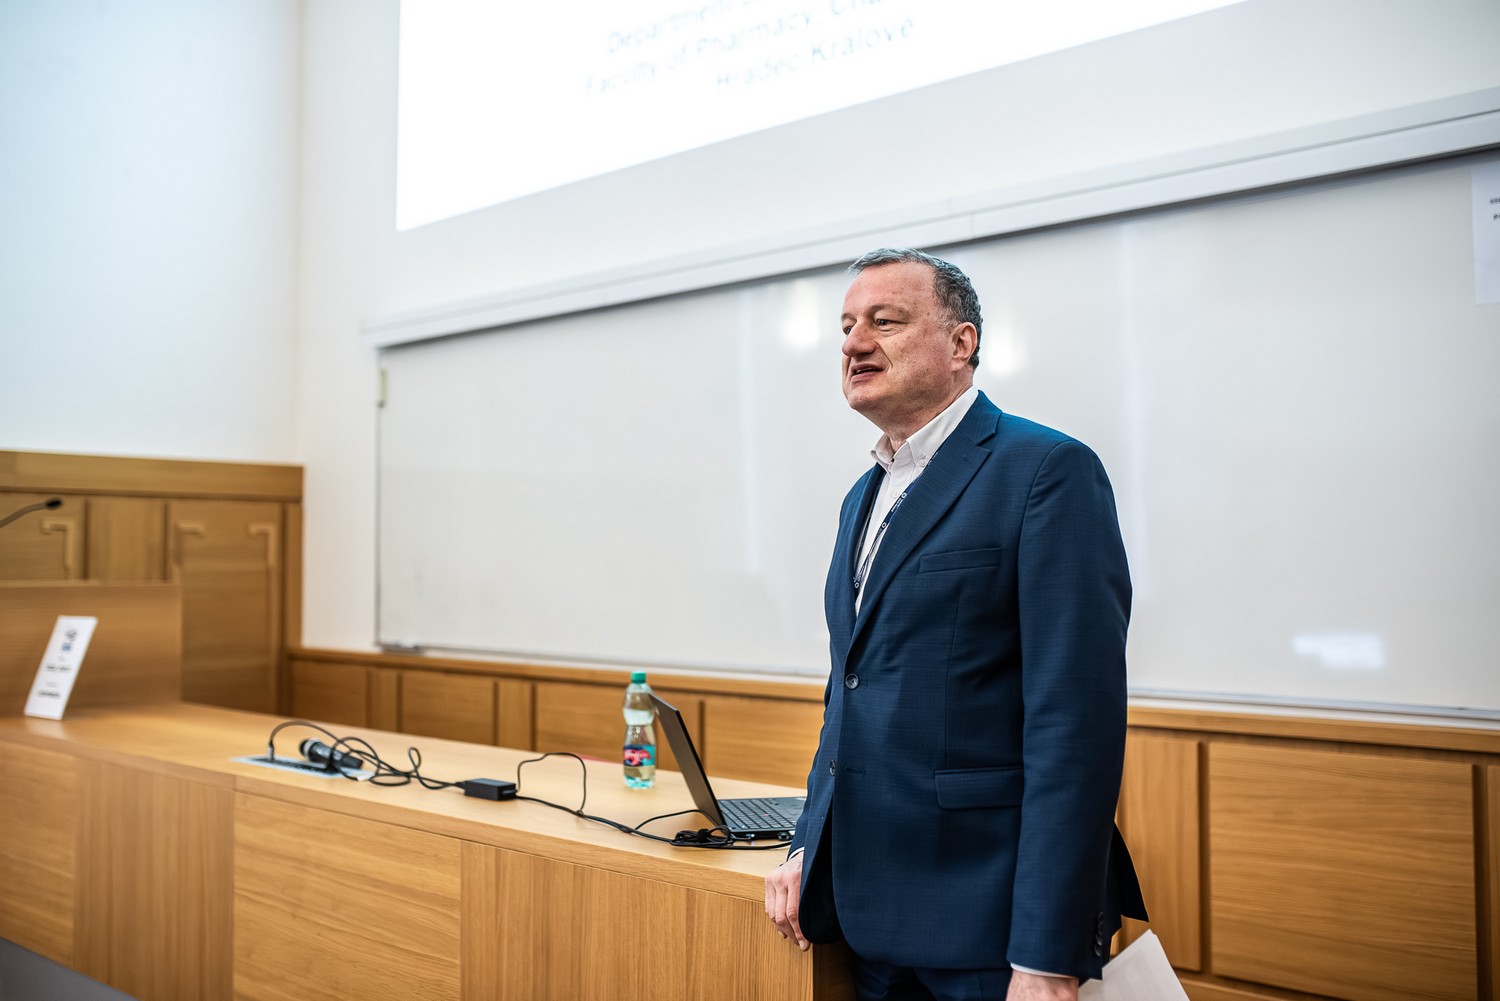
pixel 905 358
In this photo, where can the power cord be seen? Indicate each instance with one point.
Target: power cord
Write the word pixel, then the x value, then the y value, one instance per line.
pixel 386 774
pixel 707 837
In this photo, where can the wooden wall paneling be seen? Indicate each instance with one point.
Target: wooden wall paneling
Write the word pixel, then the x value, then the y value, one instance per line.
pixel 330 693
pixel 291 594
pixel 43 545
pixel 127 539
pixel 328 906
pixel 761 740
pixel 57 471
pixel 587 720
pixel 1159 811
pixel 38 836
pixel 584 719
pixel 1345 874
pixel 528 932
pixel 609 677
pixel 154 883
pixel 385 699
pixel 135 656
pixel 227 557
pixel 1490 915
pixel 1372 729
pixel 451 706
pixel 515 705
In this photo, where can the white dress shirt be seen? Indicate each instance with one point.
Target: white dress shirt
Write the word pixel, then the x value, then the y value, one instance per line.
pixel 902 467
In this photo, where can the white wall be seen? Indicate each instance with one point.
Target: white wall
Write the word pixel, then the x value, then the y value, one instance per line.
pixel 347 239
pixel 185 184
pixel 1270 65
pixel 147 250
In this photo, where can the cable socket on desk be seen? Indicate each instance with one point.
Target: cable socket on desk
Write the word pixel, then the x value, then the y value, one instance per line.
pixel 495 789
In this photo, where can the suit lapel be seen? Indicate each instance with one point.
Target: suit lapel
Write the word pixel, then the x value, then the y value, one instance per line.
pixel 932 494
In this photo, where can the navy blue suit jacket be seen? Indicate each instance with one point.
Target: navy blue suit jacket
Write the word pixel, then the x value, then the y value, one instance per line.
pixel 960 808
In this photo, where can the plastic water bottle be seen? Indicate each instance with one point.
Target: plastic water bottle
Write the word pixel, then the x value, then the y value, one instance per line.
pixel 640 734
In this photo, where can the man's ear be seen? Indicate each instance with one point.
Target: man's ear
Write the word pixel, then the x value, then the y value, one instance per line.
pixel 965 340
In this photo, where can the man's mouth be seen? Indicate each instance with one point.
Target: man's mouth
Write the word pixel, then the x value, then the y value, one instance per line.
pixel 855 371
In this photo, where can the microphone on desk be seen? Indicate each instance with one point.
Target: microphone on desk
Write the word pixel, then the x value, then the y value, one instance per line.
pixel 320 753
pixel 50 504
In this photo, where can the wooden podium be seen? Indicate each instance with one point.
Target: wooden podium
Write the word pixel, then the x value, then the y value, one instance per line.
pixel 135 850
pixel 134 659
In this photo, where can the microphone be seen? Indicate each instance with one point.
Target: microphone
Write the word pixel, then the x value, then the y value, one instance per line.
pixel 320 753
pixel 50 504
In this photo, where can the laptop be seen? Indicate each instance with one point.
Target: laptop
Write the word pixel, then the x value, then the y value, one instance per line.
pixel 747 819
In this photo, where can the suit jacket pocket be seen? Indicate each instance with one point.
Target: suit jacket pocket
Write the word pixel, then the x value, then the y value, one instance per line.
pixel 960 559
pixel 974 788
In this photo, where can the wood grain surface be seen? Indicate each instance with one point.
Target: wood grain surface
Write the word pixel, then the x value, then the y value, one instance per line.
pixel 331 907
pixel 38 835
pixel 134 657
pixel 1345 874
pixel 154 883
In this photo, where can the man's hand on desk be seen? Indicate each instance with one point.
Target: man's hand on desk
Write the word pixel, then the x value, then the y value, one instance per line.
pixel 783 896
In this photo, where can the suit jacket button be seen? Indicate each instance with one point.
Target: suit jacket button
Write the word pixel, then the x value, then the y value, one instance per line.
pixel 833 768
pixel 851 681
pixel 1098 949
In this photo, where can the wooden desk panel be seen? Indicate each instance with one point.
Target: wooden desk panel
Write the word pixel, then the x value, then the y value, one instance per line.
pixel 153 883
pixel 541 929
pixel 337 889
pixel 334 907
pixel 38 830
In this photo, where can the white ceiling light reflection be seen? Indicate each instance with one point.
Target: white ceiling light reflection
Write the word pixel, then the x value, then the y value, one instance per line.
pixel 804 322
pixel 1002 352
pixel 1342 651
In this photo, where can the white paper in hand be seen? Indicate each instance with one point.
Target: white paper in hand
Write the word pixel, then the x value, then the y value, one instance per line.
pixel 1140 973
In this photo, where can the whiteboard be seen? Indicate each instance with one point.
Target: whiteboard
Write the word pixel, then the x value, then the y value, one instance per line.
pixel 1294 394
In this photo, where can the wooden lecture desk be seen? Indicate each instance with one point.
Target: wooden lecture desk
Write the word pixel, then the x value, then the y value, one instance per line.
pixel 134 849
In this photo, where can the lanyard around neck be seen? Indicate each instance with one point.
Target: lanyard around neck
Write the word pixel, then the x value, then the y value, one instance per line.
pixel 864 566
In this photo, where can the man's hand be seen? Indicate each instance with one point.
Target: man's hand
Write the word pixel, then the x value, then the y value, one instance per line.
pixel 1030 987
pixel 783 897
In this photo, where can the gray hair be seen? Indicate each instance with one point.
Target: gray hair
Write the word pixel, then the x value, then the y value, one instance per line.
pixel 951 286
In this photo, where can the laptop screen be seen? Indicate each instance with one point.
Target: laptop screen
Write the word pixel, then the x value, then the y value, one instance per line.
pixel 687 759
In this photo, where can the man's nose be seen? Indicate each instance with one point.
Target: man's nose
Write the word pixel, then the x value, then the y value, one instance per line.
pixel 857 340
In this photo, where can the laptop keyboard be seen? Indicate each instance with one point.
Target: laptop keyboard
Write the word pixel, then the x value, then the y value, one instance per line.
pixel 773 813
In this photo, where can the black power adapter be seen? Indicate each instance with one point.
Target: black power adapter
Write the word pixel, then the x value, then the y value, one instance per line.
pixel 488 789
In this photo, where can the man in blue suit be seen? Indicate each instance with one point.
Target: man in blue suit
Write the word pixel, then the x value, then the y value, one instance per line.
pixel 959 831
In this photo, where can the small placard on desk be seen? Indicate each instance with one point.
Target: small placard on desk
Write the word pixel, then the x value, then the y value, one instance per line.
pixel 60 666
